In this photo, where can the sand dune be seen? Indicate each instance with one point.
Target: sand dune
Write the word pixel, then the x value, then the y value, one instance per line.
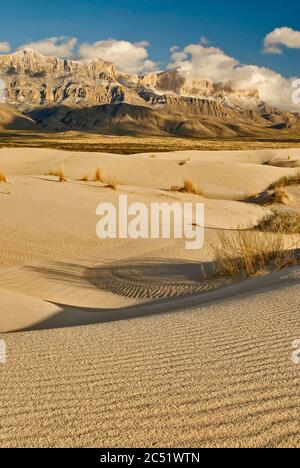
pixel 216 375
pixel 130 343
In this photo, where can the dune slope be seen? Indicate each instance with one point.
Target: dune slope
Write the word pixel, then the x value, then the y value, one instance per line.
pixel 218 375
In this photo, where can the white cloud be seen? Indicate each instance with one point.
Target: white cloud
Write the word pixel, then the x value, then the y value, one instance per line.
pixel 4 47
pixel 56 46
pixel 281 37
pixel 197 61
pixel 127 56
pixel 202 62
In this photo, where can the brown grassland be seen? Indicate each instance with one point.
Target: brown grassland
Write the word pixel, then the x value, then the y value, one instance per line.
pixel 76 141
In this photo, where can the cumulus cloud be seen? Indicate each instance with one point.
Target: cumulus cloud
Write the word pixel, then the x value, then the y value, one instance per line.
pixel 56 46
pixel 127 56
pixel 200 62
pixel 279 38
pixel 4 47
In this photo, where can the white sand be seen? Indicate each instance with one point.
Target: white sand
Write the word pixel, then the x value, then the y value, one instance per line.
pixel 146 367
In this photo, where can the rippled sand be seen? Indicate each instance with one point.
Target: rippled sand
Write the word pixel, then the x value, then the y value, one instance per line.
pixel 128 343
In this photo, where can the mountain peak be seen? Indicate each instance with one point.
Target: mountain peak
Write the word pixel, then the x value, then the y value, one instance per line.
pixel 168 98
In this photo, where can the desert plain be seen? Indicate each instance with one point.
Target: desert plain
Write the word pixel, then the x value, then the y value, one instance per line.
pixel 135 343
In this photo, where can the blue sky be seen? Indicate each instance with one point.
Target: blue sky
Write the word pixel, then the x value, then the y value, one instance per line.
pixel 235 26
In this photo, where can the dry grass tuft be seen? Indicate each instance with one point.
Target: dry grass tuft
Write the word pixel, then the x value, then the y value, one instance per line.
pixel 281 221
pixel 285 182
pixel 112 184
pixel 3 177
pixel 60 174
pixel 188 187
pixel 247 253
pixel 279 196
pixel 84 178
pixel 98 177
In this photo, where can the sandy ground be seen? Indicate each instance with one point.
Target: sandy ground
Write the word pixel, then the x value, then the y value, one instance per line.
pixel 216 375
pixel 123 342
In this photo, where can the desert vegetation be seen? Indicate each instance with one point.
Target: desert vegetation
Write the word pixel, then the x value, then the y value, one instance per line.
pixel 3 177
pixel 248 252
pixel 270 197
pixel 112 183
pixel 188 187
pixel 281 221
pixel 84 178
pixel 98 177
pixel 285 182
pixel 279 197
pixel 60 173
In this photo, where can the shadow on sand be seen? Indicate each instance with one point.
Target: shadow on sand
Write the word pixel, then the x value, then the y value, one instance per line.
pixel 71 316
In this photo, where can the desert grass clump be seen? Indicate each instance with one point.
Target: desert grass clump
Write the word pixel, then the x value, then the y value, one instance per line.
pixel 187 187
pixel 112 184
pixel 3 177
pixel 248 252
pixel 280 221
pixel 84 178
pixel 279 196
pixel 98 177
pixel 285 182
pixel 272 197
pixel 60 173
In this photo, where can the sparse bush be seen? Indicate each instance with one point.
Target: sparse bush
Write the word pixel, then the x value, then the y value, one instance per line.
pixel 285 182
pixel 84 178
pixel 249 252
pixel 279 196
pixel 98 177
pixel 188 187
pixel 3 177
pixel 112 184
pixel 281 221
pixel 60 174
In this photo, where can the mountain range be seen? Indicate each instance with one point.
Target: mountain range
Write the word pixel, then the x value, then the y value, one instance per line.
pixel 54 94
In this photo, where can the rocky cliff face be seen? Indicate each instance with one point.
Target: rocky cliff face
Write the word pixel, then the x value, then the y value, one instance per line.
pixel 35 83
pixel 33 80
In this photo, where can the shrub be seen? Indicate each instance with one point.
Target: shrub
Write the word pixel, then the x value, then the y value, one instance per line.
pixel 282 221
pixel 98 177
pixel 188 187
pixel 285 182
pixel 249 252
pixel 111 184
pixel 60 174
pixel 3 177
